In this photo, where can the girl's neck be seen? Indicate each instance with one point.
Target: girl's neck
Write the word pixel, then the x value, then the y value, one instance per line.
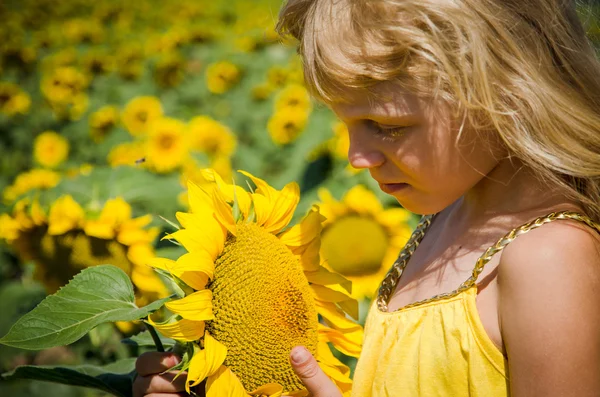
pixel 509 193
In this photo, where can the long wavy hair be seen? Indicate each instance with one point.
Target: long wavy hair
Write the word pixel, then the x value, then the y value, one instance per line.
pixel 523 69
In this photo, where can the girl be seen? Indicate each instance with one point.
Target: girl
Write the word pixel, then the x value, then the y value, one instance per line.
pixel 483 115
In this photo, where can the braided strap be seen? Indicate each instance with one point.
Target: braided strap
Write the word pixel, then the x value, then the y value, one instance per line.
pixel 393 276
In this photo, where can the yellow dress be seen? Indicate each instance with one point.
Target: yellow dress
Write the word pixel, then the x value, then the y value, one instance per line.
pixel 436 347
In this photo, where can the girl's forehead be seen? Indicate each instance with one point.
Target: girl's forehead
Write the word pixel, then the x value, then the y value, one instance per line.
pixel 389 103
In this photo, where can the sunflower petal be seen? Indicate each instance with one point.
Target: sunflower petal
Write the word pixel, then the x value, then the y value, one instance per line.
pixel 350 344
pixel 262 187
pixel 208 237
pixel 335 317
pixel 270 389
pixel 183 330
pixel 304 232
pixel 206 362
pixel 325 277
pixel 199 200
pixel 230 191
pixel 345 302
pixel 282 210
pixel 223 211
pixel 224 383
pixel 362 200
pixel 195 269
pixel 196 306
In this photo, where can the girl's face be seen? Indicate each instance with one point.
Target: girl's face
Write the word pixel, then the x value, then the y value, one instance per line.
pixel 410 148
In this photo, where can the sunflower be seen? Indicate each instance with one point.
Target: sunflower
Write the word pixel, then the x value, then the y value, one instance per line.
pixel 211 137
pixel 375 234
pixel 286 124
pixel 102 122
pixel 50 149
pixel 127 153
pixel 139 112
pixel 166 147
pixel 221 76
pixel 66 239
pixel 13 100
pixel 30 180
pixel 294 96
pixel 169 70
pixel 254 289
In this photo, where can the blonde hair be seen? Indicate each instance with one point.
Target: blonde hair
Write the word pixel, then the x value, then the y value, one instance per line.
pixel 524 69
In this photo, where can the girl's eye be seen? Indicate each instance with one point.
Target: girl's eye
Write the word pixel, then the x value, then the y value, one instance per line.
pixel 388 130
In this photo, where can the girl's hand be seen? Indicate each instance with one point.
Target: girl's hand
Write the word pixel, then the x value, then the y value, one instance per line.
pixel 313 377
pixel 151 383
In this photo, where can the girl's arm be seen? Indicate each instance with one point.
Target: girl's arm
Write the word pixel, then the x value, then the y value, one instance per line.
pixel 549 308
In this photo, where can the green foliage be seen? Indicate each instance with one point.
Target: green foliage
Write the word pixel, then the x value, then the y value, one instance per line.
pixel 94 296
pixel 115 378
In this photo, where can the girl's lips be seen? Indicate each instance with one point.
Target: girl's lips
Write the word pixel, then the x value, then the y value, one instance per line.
pixel 391 188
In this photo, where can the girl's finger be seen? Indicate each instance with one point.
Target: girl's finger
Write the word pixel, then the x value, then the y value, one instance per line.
pixel 155 362
pixel 317 383
pixel 165 383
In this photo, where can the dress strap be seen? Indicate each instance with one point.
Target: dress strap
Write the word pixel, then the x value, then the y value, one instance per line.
pixel 393 276
pixel 514 233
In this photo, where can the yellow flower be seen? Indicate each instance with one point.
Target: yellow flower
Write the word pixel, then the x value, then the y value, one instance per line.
pixel 340 143
pixel 286 124
pixel 28 181
pixel 97 62
pixel 59 245
pixel 169 70
pixel 211 137
pixel 262 91
pixel 50 149
pixel 221 76
pixel 128 153
pixel 129 60
pixel 277 76
pixel 65 215
pixel 13 99
pixel 139 112
pixel 256 289
pixel 63 84
pixel 375 234
pixel 166 147
pixel 294 96
pixel 102 121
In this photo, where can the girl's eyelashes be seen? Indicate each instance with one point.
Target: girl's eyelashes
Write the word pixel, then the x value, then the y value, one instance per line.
pixel 389 131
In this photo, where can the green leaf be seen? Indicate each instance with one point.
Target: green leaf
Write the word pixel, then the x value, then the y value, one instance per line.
pixel 115 378
pixel 96 295
pixel 144 339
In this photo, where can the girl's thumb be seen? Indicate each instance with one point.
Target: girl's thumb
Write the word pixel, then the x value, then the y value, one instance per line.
pixel 309 372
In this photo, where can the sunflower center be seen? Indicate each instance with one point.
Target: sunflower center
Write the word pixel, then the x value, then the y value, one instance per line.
pixel 354 245
pixel 263 307
pixel 166 141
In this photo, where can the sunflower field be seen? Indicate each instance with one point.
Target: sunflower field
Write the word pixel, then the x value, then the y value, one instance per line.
pixel 122 125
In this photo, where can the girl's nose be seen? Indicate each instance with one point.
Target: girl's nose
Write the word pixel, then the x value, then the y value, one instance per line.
pixel 363 152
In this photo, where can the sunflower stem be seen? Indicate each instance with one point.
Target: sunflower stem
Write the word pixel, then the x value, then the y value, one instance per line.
pixel 155 338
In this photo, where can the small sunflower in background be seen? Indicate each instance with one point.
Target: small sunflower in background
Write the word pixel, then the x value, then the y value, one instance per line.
pixel 166 146
pixel 127 153
pixel 35 179
pixel 221 76
pixel 103 121
pixel 50 149
pixel 139 112
pixel 360 239
pixel 169 70
pixel 209 136
pixel 286 124
pixel 254 288
pixel 13 100
pixel 65 238
pixel 293 96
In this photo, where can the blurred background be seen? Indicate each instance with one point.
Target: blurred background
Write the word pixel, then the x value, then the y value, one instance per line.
pixel 109 107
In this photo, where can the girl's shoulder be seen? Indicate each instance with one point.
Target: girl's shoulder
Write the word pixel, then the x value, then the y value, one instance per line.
pixel 548 294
